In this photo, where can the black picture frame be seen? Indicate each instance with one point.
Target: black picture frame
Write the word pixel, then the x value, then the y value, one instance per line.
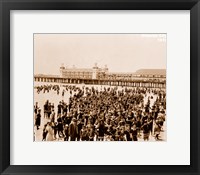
pixel 7 5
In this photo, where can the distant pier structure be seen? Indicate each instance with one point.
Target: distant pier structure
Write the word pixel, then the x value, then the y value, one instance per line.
pixel 149 78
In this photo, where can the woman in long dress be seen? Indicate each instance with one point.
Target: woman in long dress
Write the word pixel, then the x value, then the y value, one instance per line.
pixel 50 132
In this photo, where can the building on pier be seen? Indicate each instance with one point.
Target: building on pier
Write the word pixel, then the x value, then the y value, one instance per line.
pixel 97 73
pixel 84 73
pixel 151 73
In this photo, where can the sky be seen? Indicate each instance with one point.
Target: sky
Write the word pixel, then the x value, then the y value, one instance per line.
pixel 120 52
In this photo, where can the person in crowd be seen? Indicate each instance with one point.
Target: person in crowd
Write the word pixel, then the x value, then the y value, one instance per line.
pixel 73 130
pixel 52 118
pixel 66 132
pixel 100 131
pixel 60 126
pixel 36 108
pixel 38 119
pixel 134 134
pixel 157 130
pixel 91 134
pixel 84 133
pixel 145 128
pixel 59 108
pixel 55 128
pixel 50 132
pixel 44 133
pixel 46 107
pixel 48 110
pixel 127 133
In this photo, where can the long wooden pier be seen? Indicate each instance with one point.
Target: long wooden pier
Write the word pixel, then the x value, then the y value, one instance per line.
pixel 157 83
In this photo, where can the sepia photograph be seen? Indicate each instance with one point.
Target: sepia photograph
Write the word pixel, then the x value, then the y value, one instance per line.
pixel 99 87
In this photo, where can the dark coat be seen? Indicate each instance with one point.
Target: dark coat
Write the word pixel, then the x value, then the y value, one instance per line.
pixel 38 120
pixel 73 131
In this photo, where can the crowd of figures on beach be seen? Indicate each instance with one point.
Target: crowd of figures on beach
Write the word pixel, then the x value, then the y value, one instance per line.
pixel 105 114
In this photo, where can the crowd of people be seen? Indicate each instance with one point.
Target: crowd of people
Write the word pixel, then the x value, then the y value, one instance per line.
pixel 105 114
